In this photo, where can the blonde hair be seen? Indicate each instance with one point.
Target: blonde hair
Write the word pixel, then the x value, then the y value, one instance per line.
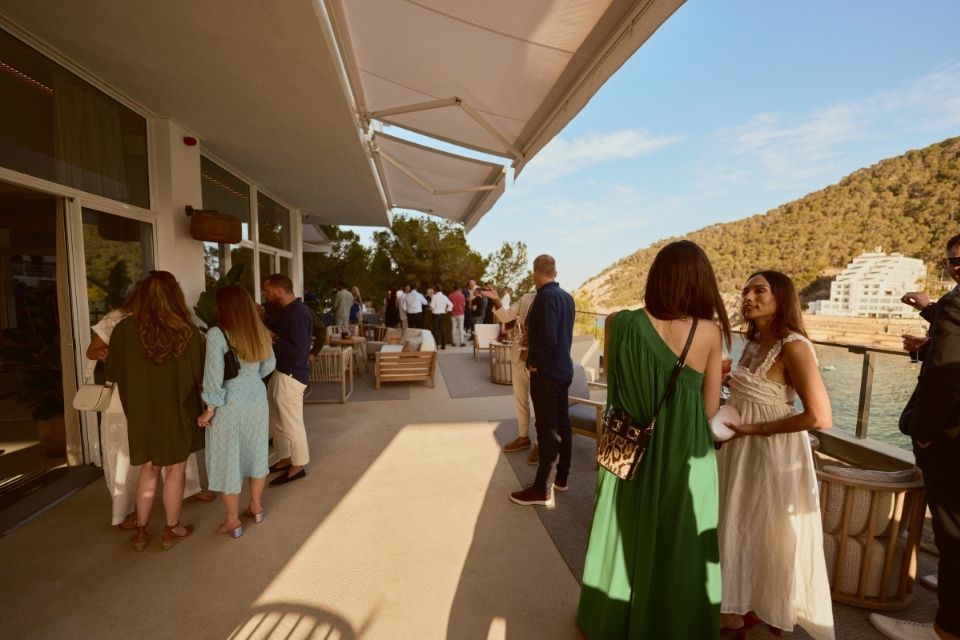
pixel 237 313
pixel 163 320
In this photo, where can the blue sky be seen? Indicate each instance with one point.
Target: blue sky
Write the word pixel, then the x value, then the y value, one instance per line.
pixel 731 109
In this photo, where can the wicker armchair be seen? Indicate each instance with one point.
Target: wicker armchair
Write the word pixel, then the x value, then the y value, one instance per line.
pixel 333 364
pixel 872 523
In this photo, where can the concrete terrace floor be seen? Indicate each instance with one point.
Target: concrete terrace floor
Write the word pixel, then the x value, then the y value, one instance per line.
pixel 402 529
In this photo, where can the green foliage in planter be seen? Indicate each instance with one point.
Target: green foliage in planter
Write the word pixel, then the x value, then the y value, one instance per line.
pixel 206 307
pixel 33 349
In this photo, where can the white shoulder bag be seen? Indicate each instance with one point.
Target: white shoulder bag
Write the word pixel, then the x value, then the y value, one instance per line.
pixel 90 396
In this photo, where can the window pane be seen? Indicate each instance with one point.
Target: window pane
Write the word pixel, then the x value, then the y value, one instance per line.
pixel 55 126
pixel 215 262
pixel 226 193
pixel 286 267
pixel 266 265
pixel 118 253
pixel 244 256
pixel 273 223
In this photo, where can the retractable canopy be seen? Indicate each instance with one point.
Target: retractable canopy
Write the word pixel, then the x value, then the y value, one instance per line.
pixel 498 76
pixel 444 184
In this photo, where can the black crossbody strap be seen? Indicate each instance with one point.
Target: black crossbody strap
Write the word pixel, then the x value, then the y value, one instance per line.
pixel 681 363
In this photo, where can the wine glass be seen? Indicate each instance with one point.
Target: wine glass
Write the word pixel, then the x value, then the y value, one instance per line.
pixel 915 334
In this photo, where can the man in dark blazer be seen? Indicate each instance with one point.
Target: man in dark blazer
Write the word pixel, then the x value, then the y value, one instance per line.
pixel 932 420
pixel 549 335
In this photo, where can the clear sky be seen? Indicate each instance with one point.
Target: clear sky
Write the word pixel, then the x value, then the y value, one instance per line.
pixel 732 108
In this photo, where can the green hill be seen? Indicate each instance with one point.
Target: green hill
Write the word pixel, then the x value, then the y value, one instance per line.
pixel 909 204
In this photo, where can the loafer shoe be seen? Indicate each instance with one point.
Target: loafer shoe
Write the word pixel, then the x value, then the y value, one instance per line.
pixel 285 478
pixel 517 444
pixel 530 496
pixel 896 629
pixel 560 485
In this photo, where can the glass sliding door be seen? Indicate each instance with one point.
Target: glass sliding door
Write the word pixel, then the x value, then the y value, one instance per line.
pixel 34 329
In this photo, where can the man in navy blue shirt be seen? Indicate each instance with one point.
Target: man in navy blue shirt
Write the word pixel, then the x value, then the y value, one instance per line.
pixel 549 334
pixel 291 326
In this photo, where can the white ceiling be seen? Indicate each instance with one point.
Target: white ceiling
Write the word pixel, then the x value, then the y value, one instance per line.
pixel 255 81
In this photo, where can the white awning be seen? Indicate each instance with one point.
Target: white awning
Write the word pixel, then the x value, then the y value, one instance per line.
pixel 444 184
pixel 498 76
pixel 314 239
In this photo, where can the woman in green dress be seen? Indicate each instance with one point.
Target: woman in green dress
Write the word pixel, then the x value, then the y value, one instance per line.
pixel 156 359
pixel 652 568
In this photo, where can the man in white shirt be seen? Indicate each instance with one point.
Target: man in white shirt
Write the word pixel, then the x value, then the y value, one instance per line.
pixel 403 312
pixel 413 303
pixel 341 304
pixel 440 306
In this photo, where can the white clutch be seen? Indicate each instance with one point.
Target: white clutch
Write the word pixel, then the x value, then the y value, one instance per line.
pixel 93 397
pixel 721 432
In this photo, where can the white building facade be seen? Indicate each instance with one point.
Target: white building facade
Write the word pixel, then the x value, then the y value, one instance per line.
pixel 871 286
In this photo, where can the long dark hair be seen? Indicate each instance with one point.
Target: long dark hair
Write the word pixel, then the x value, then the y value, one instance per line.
pixel 681 284
pixel 788 318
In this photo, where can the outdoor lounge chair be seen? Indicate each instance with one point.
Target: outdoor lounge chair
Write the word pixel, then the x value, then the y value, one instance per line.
pixel 872 524
pixel 585 414
pixel 483 335
pixel 333 364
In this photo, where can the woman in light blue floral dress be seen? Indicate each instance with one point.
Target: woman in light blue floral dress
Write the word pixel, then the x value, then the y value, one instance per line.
pixel 236 415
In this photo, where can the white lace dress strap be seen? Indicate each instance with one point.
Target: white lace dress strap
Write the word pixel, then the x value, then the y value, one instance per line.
pixel 769 359
pixel 796 337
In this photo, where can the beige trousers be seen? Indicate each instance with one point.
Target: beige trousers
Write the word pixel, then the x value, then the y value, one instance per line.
pixel 289 434
pixel 521 395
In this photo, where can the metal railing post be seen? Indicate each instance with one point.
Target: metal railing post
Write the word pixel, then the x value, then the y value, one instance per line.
pixel 866 391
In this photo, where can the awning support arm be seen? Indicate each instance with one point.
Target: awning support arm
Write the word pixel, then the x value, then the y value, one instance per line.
pixel 426 185
pixel 475 115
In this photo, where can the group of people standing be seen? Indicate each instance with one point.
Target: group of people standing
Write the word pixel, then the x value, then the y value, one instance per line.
pixel 406 307
pixel 172 399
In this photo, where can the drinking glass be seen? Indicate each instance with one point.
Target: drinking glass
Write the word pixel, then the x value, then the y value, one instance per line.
pixel 915 332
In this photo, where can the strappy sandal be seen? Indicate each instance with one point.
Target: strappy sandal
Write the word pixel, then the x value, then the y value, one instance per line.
pixel 171 538
pixel 257 517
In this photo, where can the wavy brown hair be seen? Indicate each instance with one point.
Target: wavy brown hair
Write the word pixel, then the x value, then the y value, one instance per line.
pixel 237 314
pixel 163 320
pixel 681 284
pixel 788 318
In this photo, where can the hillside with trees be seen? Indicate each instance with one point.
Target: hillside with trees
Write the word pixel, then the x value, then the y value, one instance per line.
pixel 908 204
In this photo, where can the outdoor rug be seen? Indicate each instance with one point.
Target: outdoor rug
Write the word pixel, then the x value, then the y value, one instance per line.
pixel 568 522
pixel 468 378
pixel 363 390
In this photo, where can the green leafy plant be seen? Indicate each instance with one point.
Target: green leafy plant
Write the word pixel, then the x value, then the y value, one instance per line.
pixel 33 349
pixel 206 307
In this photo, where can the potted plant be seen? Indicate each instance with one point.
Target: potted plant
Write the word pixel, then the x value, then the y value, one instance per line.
pixel 33 350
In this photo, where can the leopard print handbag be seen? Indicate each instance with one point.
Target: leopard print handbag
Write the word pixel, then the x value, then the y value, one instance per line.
pixel 624 440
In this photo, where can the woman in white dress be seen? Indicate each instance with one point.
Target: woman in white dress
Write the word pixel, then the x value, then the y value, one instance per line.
pixel 771 537
pixel 119 474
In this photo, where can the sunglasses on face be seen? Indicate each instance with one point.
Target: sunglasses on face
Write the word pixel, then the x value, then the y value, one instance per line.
pixel 953 262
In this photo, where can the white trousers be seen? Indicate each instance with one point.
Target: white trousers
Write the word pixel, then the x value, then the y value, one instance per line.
pixel 403 320
pixel 457 330
pixel 521 395
pixel 289 434
pixel 119 474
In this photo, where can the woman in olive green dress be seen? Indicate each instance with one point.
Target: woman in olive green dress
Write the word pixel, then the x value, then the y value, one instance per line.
pixel 156 358
pixel 652 568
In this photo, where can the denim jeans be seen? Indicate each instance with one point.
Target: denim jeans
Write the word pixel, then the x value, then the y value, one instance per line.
pixel 551 406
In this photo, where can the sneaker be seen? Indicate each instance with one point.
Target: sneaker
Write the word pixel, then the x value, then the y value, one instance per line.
pixel 930 582
pixel 903 629
pixel 534 458
pixel 531 496
pixel 560 485
pixel 517 444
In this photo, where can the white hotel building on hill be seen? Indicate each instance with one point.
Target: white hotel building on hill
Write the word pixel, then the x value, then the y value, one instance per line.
pixel 871 286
